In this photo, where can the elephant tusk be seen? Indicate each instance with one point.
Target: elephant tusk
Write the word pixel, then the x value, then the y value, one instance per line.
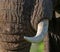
pixel 41 32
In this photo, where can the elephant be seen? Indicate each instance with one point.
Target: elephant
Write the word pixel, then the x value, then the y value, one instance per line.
pixel 22 18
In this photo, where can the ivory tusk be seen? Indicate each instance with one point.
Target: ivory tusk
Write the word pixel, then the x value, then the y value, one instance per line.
pixel 41 32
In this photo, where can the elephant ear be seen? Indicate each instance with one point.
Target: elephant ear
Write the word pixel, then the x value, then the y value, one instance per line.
pixel 40 12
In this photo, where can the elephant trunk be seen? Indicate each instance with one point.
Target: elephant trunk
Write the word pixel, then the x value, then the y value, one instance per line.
pixel 12 27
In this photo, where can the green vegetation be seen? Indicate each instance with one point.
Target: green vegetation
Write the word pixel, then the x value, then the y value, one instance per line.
pixel 37 47
pixel 41 47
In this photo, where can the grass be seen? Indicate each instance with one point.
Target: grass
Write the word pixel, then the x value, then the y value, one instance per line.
pixel 41 47
pixel 37 47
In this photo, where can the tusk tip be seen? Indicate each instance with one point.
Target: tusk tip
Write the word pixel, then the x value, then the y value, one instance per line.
pixel 29 39
pixel 26 38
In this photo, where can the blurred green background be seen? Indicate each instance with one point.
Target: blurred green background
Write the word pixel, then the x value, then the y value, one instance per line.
pixel 37 47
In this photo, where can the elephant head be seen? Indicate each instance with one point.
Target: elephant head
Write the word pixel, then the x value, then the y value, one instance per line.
pixel 41 32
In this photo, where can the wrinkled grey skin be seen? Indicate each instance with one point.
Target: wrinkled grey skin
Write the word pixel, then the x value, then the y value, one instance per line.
pixel 18 18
